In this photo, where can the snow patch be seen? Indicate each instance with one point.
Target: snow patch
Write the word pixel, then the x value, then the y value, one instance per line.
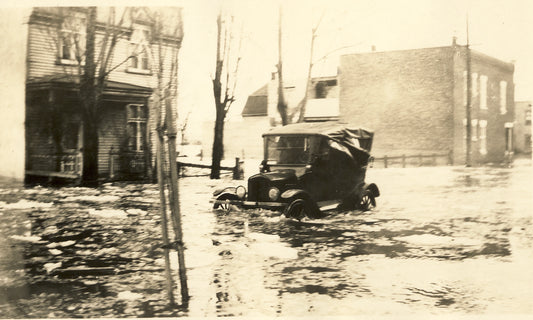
pixel 55 252
pixel 49 267
pixel 136 212
pixel 25 204
pixel 108 213
pixel 95 198
pixel 33 239
pixel 128 295
pixel 432 240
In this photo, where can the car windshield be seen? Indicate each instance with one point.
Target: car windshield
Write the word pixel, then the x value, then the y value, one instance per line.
pixel 288 149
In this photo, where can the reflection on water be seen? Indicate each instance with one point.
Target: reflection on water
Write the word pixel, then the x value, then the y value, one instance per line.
pixel 442 240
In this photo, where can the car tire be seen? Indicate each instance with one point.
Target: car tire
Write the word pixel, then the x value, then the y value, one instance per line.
pixel 300 208
pixel 367 201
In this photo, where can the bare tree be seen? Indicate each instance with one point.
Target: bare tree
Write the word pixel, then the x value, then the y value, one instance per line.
pixel 310 69
pixel 224 83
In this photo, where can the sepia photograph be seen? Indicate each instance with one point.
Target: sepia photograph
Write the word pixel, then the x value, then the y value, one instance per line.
pixel 266 159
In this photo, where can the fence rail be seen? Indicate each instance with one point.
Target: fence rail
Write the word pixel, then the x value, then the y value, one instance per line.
pixel 237 169
pixel 419 160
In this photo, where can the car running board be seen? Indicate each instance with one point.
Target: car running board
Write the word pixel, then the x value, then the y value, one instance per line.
pixel 328 205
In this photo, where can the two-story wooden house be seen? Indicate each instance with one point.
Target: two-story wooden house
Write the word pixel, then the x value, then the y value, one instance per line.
pixel 54 126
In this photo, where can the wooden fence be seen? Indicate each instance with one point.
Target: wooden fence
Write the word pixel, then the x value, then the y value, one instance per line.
pixel 419 160
pixel 237 169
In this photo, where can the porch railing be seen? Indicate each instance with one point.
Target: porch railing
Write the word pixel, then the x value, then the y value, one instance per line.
pixel 67 164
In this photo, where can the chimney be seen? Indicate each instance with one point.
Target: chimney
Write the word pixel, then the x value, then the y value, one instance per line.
pixel 454 41
pixel 373 48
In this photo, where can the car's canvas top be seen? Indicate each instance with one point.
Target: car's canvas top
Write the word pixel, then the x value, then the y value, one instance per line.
pixel 346 134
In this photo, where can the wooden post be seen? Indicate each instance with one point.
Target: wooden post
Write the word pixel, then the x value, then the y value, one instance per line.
pixel 111 164
pixel 174 199
pixel 163 208
pixel 403 160
pixel 163 212
pixel 238 172
pixel 385 161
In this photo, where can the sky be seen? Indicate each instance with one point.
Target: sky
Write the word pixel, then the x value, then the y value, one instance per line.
pixel 500 28
pixel 497 28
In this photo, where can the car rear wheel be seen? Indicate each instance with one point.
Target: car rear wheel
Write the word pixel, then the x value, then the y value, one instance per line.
pixel 367 201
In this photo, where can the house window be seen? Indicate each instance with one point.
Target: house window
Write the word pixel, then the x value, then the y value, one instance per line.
pixel 503 97
pixel 139 50
pixel 483 137
pixel 137 118
pixel 72 39
pixel 70 136
pixel 483 92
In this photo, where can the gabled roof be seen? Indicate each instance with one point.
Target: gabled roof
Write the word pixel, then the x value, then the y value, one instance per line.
pixel 257 103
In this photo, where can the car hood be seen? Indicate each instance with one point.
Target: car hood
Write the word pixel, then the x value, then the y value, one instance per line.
pixel 276 176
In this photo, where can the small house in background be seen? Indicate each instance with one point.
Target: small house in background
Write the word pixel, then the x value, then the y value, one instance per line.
pixel 54 126
pixel 323 100
pixel 415 100
pixel 243 137
pixel 522 127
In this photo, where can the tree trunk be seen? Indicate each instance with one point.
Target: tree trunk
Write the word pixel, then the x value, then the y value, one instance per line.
pixel 90 105
pixel 218 146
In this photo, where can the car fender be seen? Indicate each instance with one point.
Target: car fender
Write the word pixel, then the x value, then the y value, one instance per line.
pixel 373 188
pixel 224 190
pixel 226 196
pixel 293 193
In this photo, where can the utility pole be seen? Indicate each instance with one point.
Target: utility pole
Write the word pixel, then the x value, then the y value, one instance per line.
pixel 468 159
pixel 282 104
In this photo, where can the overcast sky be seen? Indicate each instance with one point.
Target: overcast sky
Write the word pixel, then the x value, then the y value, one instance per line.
pixel 496 27
pixel 500 28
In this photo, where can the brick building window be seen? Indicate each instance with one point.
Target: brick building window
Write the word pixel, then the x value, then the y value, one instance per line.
pixel 474 129
pixel 465 88
pixel 474 85
pixel 503 97
pixel 136 130
pixel 483 137
pixel 140 50
pixel 72 39
pixel 483 91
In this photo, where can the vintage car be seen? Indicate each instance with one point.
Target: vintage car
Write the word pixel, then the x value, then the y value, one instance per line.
pixel 308 168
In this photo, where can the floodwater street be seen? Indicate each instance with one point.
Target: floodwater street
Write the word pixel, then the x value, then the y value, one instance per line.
pixel 442 240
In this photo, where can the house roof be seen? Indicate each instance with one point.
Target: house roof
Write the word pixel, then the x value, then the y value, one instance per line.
pixel 70 83
pixel 257 103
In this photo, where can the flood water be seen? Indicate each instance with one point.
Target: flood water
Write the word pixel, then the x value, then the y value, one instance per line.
pixel 443 240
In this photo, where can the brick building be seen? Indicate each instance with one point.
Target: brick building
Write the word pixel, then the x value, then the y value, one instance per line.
pixel 523 127
pixel 53 124
pixel 415 100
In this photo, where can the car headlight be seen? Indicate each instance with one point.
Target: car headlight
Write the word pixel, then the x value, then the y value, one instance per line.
pixel 240 191
pixel 273 193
